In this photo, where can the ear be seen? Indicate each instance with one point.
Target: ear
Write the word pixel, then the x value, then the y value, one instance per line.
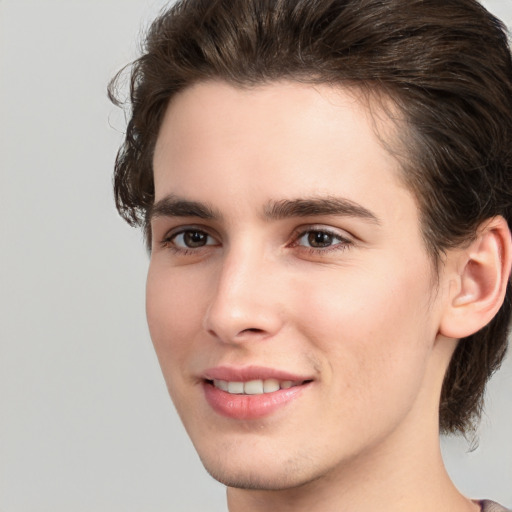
pixel 478 277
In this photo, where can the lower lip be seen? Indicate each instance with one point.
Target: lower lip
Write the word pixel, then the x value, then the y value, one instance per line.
pixel 249 407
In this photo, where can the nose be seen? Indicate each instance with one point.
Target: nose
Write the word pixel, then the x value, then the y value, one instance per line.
pixel 245 304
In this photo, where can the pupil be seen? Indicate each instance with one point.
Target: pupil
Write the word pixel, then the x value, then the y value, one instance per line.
pixel 195 239
pixel 319 239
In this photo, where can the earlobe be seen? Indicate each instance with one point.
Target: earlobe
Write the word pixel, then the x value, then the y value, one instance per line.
pixel 482 272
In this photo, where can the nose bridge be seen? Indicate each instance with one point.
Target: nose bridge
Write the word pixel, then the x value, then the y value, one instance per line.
pixel 243 305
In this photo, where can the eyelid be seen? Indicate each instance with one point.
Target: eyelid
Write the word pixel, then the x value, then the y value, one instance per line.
pixel 323 228
pixel 345 238
pixel 166 240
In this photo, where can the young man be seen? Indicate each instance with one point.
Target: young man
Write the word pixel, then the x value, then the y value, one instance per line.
pixel 326 188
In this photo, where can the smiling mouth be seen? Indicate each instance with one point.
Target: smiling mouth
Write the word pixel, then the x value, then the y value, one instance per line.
pixel 254 387
pixel 246 398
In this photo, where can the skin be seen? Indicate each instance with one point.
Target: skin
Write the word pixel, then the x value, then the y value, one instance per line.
pixel 360 314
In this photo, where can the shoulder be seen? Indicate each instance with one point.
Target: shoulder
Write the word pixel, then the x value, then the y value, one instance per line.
pixel 491 506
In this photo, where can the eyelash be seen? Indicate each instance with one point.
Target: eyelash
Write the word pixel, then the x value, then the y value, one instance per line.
pixel 169 241
pixel 342 244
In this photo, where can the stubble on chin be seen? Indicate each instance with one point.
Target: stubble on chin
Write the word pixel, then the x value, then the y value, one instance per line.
pixel 292 474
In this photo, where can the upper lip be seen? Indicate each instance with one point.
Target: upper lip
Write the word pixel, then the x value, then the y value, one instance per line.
pixel 247 373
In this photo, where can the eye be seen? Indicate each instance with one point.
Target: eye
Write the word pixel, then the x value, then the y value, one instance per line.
pixel 321 239
pixel 190 239
pixel 317 239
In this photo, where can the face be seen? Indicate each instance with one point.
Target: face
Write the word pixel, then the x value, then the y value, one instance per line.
pixel 290 297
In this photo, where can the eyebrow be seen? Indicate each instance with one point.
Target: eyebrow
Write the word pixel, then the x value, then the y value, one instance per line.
pixel 173 206
pixel 316 206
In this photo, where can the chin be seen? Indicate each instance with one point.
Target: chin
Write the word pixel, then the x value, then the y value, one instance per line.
pixel 262 475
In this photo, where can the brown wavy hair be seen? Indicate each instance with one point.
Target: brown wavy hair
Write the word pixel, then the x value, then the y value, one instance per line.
pixel 444 64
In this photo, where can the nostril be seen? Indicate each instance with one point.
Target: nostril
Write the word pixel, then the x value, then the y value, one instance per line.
pixel 252 330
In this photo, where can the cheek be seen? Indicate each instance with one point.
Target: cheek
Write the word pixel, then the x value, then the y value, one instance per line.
pixel 372 328
pixel 174 311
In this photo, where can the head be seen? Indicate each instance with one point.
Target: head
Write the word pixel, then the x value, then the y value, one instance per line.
pixel 435 79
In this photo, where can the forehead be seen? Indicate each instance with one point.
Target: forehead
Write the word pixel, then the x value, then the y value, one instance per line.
pixel 237 150
pixel 313 132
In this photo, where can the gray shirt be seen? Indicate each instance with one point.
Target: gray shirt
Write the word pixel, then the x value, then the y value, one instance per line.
pixel 491 506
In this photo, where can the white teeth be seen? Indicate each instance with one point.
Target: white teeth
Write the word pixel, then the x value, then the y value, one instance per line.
pixel 236 387
pixel 221 384
pixel 254 387
pixel 271 385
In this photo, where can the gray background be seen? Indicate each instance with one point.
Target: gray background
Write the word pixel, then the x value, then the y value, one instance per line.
pixel 85 421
